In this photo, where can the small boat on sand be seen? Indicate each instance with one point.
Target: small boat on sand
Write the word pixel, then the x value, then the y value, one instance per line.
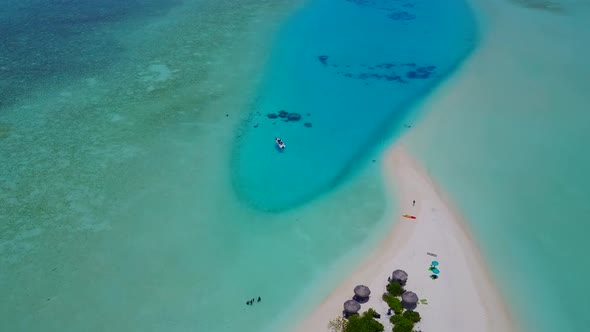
pixel 280 143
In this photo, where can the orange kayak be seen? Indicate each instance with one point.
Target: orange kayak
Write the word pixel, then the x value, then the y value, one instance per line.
pixel 409 216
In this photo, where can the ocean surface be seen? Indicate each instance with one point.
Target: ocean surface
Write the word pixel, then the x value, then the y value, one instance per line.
pixel 140 188
pixel 349 69
pixel 511 150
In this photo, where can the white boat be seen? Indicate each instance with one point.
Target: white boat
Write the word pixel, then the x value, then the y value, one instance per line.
pixel 280 143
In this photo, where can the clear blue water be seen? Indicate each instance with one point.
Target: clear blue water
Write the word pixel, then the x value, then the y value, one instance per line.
pixel 508 142
pixel 48 43
pixel 349 68
pixel 127 199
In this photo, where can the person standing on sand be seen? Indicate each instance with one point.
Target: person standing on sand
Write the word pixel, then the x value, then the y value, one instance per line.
pixel 413 203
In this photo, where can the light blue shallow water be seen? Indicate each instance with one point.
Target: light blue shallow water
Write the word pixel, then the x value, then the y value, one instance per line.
pixel 127 127
pixel 510 148
pixel 349 68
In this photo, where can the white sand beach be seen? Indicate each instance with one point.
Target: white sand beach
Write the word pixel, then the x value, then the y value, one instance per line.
pixel 463 298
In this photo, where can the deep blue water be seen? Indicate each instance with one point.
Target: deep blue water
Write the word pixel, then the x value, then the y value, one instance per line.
pixel 349 69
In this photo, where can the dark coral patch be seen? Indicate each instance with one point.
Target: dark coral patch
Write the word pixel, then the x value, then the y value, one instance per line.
pixel 391 8
pixel 384 71
pixel 401 16
pixel 323 59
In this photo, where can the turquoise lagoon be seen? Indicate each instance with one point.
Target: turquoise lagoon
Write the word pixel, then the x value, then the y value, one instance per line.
pixel 140 188
pixel 349 68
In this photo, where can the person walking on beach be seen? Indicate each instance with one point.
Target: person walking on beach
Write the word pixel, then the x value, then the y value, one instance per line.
pixel 413 203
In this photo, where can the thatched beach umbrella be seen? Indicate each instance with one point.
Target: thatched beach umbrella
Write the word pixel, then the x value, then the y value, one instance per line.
pixel 409 300
pixel 351 307
pixel 362 291
pixel 400 276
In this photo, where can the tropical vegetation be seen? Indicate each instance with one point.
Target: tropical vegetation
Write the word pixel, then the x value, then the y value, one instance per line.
pixel 402 320
pixel 357 323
